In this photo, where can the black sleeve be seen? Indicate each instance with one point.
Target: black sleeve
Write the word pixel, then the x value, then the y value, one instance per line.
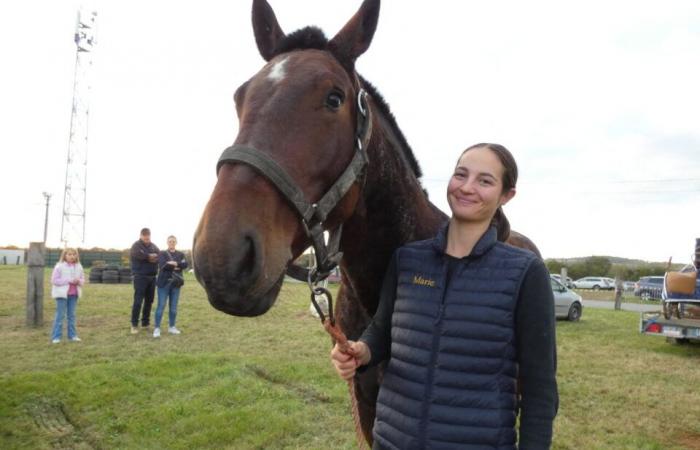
pixel 138 253
pixel 163 260
pixel 377 336
pixel 535 328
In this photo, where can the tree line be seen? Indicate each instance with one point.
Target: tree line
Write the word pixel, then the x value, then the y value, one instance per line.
pixel 600 266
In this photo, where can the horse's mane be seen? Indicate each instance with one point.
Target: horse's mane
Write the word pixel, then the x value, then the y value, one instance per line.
pixel 314 38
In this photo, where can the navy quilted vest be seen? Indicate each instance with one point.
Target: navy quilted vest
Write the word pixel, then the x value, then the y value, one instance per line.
pixel 451 379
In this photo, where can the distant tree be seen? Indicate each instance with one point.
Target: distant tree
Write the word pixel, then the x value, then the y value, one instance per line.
pixel 602 266
pixel 577 270
pixel 554 266
pixel 598 266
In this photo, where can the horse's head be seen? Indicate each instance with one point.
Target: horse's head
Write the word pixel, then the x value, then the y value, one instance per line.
pixel 298 112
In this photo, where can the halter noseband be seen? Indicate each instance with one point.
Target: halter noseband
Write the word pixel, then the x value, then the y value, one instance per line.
pixel 312 215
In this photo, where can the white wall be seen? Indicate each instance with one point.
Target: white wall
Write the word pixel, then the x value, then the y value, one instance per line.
pixel 10 256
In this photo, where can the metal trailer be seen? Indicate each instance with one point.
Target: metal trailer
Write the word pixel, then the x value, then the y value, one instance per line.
pixel 679 319
pixel 675 329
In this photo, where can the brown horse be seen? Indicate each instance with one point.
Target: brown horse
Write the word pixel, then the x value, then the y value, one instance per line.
pixel 301 111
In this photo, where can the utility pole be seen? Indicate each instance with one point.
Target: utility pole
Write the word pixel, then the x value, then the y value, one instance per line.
pixel 47 196
pixel 75 190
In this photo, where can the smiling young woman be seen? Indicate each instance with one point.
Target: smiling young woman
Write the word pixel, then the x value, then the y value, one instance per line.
pixel 465 325
pixel 483 181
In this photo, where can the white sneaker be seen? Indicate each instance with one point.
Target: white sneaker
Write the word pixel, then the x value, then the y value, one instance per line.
pixel 173 330
pixel 134 330
pixel 56 341
pixel 75 339
pixel 156 332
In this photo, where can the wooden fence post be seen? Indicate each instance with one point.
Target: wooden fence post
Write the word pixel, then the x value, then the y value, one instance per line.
pixel 619 287
pixel 35 284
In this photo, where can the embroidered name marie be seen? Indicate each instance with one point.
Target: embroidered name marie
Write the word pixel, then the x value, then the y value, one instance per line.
pixel 417 279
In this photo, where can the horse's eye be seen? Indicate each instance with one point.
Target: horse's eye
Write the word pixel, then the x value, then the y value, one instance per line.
pixel 334 100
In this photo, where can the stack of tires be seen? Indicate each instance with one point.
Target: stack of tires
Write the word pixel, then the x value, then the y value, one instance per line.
pixel 96 275
pixel 125 275
pixel 110 275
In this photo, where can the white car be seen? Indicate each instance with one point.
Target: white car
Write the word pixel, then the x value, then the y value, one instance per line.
pixel 567 303
pixel 594 283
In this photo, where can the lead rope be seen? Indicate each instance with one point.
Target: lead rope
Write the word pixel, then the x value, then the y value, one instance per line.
pixel 342 341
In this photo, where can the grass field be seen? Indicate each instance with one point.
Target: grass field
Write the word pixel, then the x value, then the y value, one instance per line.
pixel 266 382
pixel 627 296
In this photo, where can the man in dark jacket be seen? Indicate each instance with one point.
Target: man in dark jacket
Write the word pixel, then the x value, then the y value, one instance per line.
pixel 144 267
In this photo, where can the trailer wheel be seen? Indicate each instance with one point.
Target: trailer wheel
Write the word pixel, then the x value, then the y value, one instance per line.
pixel 677 341
pixel 667 310
pixel 574 313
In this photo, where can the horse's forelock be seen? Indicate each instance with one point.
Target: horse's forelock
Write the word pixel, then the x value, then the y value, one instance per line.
pixel 303 39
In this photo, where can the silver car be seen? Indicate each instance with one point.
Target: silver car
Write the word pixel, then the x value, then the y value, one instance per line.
pixel 567 303
pixel 594 283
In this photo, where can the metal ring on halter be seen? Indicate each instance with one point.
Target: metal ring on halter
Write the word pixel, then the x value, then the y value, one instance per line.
pixel 318 290
pixel 360 96
pixel 311 279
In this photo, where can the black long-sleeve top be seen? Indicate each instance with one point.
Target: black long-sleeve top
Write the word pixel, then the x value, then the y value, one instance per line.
pixel 140 265
pixel 165 270
pixel 536 348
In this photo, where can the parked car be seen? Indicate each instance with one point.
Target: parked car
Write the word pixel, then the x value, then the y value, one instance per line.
pixel 628 285
pixel 649 288
pixel 567 303
pixel 594 283
pixel 569 282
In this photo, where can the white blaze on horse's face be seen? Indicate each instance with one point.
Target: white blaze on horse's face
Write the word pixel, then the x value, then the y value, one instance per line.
pixel 277 72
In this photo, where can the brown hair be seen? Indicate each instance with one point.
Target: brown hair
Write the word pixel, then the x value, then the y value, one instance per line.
pixel 69 249
pixel 509 180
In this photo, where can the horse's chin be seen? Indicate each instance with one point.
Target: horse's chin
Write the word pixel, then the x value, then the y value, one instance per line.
pixel 250 304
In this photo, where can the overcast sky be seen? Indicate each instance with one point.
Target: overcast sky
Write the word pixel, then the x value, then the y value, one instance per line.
pixel 599 102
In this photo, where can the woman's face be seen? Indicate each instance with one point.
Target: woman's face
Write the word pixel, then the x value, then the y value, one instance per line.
pixel 474 192
pixel 171 243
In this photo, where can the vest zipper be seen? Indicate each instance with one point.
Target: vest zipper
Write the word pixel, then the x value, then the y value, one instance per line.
pixel 433 359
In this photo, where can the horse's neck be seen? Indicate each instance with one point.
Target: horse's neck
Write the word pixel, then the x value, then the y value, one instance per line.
pixel 394 210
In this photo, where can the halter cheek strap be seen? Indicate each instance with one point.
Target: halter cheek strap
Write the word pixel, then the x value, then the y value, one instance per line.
pixel 312 215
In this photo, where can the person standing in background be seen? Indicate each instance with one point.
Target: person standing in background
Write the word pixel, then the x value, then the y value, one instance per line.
pixel 66 287
pixel 170 262
pixel 144 267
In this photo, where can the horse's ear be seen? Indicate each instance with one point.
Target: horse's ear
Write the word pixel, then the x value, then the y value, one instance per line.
pixel 267 31
pixel 356 35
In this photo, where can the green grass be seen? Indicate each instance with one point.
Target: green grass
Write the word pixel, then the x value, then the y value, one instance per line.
pixel 266 382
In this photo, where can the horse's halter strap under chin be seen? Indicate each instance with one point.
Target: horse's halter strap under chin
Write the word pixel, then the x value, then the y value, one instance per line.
pixel 312 214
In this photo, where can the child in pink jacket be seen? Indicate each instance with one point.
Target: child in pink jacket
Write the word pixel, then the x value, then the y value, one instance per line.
pixel 67 281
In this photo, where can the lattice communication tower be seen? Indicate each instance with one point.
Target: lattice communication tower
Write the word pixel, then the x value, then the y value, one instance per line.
pixel 74 197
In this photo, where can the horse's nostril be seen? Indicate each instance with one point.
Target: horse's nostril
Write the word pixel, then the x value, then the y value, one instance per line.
pixel 245 268
pixel 244 265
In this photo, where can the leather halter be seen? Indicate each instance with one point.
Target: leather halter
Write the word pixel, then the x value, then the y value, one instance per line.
pixel 312 215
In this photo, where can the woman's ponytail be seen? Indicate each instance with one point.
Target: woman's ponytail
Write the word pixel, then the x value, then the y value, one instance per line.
pixel 500 221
